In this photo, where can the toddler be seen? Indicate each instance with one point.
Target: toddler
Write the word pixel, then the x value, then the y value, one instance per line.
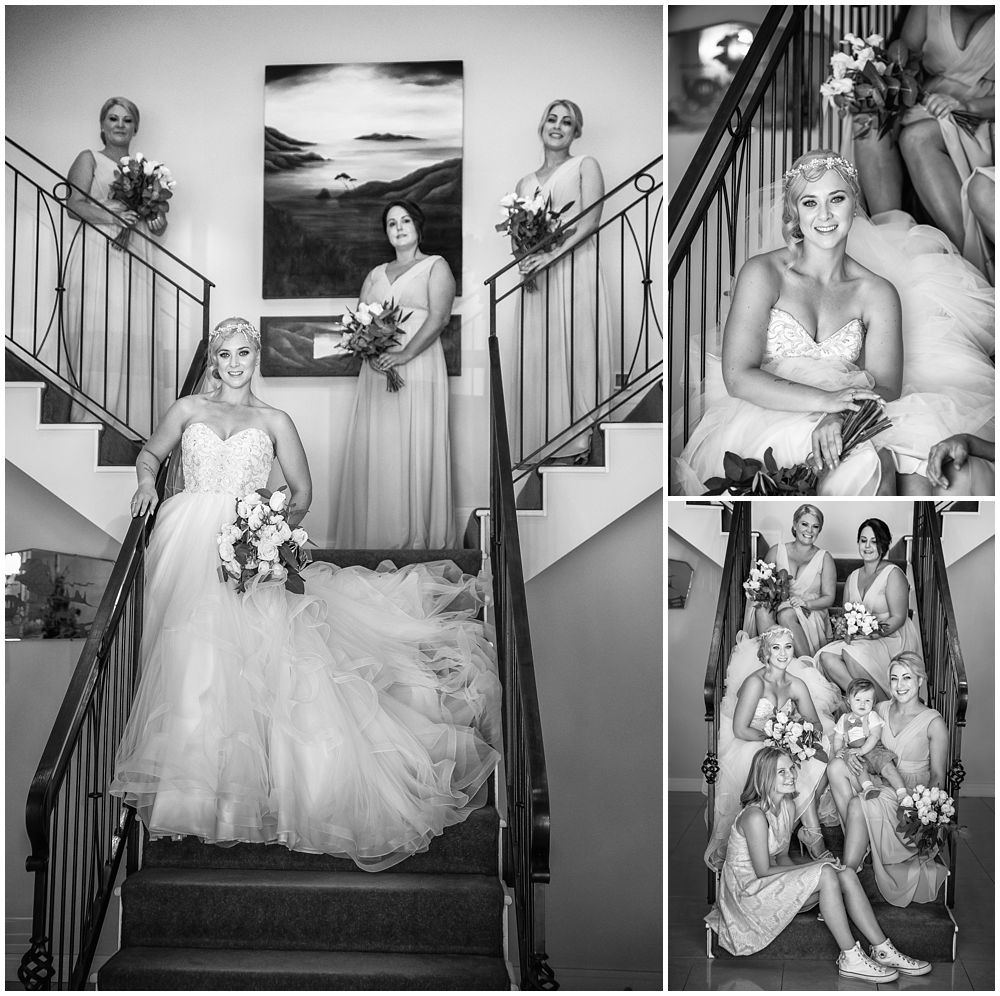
pixel 861 730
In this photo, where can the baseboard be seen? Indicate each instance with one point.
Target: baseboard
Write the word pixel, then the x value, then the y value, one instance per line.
pixel 18 939
pixel 594 979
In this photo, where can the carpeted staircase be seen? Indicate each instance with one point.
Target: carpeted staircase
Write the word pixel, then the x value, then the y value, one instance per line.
pixel 257 917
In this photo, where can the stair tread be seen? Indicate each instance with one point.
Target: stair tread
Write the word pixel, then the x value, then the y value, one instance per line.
pixel 307 966
pixel 268 878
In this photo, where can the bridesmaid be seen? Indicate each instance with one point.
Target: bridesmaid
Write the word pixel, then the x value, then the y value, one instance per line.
pixel 761 888
pixel 559 366
pixel 395 488
pixel 885 592
pixel 918 736
pixel 813 588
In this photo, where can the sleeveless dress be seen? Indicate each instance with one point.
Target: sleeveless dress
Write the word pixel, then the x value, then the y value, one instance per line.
pixel 902 876
pixel 750 912
pixel 560 345
pixel 395 487
pixel 735 757
pixel 967 74
pixel 874 655
pixel 108 343
pixel 949 380
pixel 359 719
pixel 807 584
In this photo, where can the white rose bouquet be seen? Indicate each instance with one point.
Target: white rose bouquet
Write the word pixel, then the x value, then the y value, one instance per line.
pixel 261 544
pixel 855 622
pixel 789 731
pixel 144 186
pixel 766 586
pixel 926 819
pixel 529 222
pixel 371 330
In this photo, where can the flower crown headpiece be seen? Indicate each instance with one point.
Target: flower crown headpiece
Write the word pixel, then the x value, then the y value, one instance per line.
pixel 226 329
pixel 830 162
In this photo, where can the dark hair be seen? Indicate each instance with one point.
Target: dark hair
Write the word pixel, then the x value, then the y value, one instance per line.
pixel 761 777
pixel 412 209
pixel 883 538
pixel 860 685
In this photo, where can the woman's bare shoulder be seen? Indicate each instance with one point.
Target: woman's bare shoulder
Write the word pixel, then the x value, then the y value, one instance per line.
pixel 872 288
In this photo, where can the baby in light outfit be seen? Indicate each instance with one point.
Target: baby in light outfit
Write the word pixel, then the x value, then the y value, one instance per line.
pixel 860 730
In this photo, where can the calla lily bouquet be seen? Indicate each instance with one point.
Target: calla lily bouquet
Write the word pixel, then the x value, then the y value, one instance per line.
pixel 371 330
pixel 529 222
pixel 261 544
pixel 144 186
pixel 926 819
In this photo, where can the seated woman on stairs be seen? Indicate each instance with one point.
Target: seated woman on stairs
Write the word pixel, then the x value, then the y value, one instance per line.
pixel 762 889
pixel 358 719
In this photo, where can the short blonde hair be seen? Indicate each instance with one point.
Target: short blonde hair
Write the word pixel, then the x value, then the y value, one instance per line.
pixel 574 112
pixel 805 510
pixel 767 638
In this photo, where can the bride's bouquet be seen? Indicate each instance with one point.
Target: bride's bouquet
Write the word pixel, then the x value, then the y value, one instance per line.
pixel 766 586
pixel 877 83
pixel 855 621
pixel 260 543
pixel 789 731
pixel 925 819
pixel 749 476
pixel 144 186
pixel 529 222
pixel 371 330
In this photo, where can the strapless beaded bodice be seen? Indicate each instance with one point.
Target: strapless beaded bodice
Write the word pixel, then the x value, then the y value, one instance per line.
pixel 764 711
pixel 786 337
pixel 233 466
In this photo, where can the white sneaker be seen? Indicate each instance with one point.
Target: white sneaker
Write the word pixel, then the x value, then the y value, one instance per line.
pixel 887 955
pixel 855 964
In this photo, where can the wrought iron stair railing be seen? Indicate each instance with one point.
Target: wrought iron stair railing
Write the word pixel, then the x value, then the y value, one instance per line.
pixel 627 270
pixel 526 840
pixel 771 114
pixel 77 831
pixel 109 326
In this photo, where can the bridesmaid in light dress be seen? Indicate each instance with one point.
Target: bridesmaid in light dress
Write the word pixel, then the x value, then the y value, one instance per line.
pixel 558 364
pixel 395 487
pixel 918 736
pixel 761 889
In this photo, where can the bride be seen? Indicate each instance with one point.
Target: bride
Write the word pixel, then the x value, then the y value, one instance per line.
pixel 359 719
pixel 846 311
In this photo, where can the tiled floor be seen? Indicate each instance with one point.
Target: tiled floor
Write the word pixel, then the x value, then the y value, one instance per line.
pixel 688 968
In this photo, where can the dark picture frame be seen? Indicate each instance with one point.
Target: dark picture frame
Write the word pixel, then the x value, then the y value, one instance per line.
pixel 289 347
pixel 340 141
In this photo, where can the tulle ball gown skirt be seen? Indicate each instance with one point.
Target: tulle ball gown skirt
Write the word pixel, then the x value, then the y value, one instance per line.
pixel 360 719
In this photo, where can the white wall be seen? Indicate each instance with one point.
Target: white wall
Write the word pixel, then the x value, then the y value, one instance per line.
pixel 597 636
pixel 197 75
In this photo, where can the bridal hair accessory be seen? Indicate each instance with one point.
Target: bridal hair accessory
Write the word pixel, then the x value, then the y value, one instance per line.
pixel 830 162
pixel 231 326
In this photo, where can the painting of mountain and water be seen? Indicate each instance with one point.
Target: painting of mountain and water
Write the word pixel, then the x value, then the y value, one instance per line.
pixel 340 141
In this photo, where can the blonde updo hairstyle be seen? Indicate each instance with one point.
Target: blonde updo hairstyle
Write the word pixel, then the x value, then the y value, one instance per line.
pixel 767 638
pixel 122 102
pixel 574 112
pixel 806 510
pixel 224 331
pixel 792 188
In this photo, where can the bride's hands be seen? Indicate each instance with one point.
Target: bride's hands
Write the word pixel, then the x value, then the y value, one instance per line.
pixel 849 399
pixel 827 444
pixel 144 500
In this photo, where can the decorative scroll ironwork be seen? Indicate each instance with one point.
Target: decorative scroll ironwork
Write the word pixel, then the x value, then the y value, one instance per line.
pixel 76 829
pixel 770 114
pixel 526 842
pixel 105 325
pixel 947 684
pixel 710 767
pixel 628 245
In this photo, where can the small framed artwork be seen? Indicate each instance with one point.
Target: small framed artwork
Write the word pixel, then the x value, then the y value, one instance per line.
pixel 310 347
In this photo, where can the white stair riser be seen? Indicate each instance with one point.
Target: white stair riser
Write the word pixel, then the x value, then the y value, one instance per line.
pixel 63 459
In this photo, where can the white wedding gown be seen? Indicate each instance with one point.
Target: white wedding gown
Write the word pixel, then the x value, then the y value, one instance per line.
pixel 359 719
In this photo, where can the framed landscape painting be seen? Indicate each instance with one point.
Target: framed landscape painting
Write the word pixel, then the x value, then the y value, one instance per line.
pixel 340 140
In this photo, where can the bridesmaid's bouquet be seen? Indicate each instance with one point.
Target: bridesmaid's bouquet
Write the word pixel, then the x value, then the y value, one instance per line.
pixel 855 621
pixel 925 819
pixel 749 476
pixel 789 731
pixel 371 330
pixel 144 186
pixel 260 543
pixel 766 586
pixel 530 222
